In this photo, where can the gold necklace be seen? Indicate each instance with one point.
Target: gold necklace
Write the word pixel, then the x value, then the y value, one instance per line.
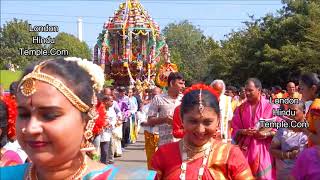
pixel 32 175
pixel 195 149
pixel 186 159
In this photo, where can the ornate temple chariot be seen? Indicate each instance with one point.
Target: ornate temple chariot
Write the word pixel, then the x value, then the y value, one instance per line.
pixel 130 46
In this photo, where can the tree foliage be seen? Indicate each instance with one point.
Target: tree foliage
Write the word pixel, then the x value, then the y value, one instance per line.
pixel 189 49
pixel 74 46
pixel 276 48
pixel 14 35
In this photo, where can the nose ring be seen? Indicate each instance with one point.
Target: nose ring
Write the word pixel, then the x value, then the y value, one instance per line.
pixel 23 130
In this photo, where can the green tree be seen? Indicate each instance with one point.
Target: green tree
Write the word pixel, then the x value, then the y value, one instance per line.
pixel 14 35
pixel 189 49
pixel 276 48
pixel 74 46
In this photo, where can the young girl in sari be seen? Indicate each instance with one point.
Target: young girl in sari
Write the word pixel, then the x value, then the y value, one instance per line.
pixel 198 155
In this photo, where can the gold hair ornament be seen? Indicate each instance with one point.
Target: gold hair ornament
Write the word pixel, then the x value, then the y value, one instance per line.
pixel 201 107
pixel 93 114
pixel 88 134
pixel 27 87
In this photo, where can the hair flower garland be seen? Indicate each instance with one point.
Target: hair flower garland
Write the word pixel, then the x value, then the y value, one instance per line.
pixel 12 115
pixel 203 87
pixel 95 71
pixel 100 121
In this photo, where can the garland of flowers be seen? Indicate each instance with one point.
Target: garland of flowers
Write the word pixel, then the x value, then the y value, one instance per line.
pixel 12 115
pixel 95 71
pixel 164 72
pixel 100 121
pixel 203 87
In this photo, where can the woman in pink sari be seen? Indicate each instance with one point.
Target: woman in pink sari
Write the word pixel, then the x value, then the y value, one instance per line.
pixel 198 155
pixel 253 139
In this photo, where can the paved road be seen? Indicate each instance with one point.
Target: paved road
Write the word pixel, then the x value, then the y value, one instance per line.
pixel 134 155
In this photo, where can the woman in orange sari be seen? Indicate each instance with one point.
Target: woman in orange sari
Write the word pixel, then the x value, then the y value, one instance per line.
pixel 310 89
pixel 198 155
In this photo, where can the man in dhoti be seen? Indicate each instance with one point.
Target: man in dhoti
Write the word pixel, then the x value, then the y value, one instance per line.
pixel 253 139
pixel 226 112
pixel 151 134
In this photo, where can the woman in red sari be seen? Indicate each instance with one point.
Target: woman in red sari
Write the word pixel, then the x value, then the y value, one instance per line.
pixel 198 155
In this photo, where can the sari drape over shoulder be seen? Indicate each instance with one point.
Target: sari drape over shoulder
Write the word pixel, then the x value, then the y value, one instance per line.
pixel 312 116
pixel 13 172
pixel 256 151
pixel 225 162
pixel 110 172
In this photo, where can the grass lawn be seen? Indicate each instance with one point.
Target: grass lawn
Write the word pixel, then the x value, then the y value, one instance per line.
pixel 7 77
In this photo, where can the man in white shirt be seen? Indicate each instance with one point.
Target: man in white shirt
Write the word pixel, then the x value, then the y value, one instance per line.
pixel 117 131
pixel 107 152
pixel 226 113
pixel 162 107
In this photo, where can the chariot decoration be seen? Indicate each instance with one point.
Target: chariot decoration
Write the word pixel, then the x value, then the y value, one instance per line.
pixel 130 47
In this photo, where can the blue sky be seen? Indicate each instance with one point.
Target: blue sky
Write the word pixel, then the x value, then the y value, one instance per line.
pixel 215 18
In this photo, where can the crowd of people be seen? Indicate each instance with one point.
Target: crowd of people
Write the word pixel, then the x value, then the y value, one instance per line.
pixel 60 122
